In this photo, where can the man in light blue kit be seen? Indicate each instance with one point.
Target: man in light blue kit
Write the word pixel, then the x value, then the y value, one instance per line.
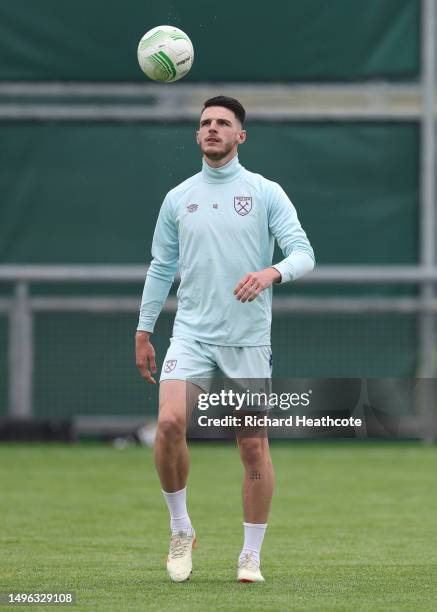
pixel 218 228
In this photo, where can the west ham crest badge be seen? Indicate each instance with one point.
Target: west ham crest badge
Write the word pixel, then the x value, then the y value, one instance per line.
pixel 243 205
pixel 170 365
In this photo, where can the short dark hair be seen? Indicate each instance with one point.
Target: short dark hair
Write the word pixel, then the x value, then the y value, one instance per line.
pixel 234 105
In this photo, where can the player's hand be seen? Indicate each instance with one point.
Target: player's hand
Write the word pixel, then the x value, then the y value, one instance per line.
pixel 251 285
pixel 145 356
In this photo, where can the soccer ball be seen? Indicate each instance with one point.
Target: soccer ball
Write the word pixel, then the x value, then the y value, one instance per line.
pixel 165 54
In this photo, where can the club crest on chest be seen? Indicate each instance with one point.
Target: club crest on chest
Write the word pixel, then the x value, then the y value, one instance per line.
pixel 242 205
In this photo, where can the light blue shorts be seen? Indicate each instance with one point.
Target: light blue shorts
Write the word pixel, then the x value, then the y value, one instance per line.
pixel 191 359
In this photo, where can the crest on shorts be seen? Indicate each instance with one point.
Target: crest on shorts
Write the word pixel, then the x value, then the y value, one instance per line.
pixel 192 207
pixel 243 205
pixel 170 365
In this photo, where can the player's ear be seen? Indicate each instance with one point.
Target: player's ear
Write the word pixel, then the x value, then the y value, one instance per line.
pixel 242 136
pixel 197 137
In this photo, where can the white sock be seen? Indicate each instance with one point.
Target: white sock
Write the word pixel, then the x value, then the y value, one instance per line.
pixel 253 540
pixel 177 506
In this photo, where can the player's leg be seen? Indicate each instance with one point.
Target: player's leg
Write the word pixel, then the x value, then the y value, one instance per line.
pixel 176 399
pixel 172 464
pixel 257 491
pixel 171 451
pixel 250 368
pixel 258 479
pixel 185 359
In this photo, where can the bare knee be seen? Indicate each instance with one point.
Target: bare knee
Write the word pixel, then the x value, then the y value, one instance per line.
pixel 171 428
pixel 253 451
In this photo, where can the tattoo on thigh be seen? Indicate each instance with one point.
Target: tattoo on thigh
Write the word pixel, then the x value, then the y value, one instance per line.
pixel 254 475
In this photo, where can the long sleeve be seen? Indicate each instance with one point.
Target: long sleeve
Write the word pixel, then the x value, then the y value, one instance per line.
pixel 162 270
pixel 292 240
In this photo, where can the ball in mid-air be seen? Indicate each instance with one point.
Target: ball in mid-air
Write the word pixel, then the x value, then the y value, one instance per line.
pixel 165 54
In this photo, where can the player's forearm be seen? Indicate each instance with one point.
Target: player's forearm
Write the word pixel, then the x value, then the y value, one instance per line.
pixel 154 295
pixel 296 265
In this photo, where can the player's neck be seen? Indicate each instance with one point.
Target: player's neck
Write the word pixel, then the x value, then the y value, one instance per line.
pixel 219 163
pixel 221 174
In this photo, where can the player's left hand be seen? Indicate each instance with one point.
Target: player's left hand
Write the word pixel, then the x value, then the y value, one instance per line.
pixel 251 285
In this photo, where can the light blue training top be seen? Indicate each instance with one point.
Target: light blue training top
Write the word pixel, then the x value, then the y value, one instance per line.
pixel 216 227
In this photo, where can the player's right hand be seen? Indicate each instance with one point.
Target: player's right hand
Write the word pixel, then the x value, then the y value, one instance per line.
pixel 145 356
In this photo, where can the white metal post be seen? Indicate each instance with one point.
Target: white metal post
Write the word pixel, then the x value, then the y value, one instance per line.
pixel 428 216
pixel 427 183
pixel 20 354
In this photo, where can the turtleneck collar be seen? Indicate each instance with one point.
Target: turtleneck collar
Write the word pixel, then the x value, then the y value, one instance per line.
pixel 224 174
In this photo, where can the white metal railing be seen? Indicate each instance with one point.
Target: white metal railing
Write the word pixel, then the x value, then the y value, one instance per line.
pixel 355 274
pixel 266 102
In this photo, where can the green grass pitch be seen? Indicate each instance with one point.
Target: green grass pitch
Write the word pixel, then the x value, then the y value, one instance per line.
pixel 353 527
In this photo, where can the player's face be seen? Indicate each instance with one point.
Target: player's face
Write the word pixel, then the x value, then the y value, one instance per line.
pixel 219 134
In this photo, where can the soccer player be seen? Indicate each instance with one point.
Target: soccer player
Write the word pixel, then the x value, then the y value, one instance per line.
pixel 218 228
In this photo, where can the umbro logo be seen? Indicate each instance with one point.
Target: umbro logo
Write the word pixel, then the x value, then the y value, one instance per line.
pixel 192 207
